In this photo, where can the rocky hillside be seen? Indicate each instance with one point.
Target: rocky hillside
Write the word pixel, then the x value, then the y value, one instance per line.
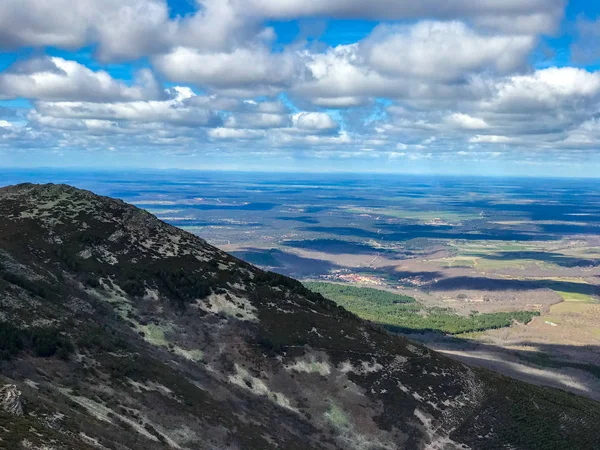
pixel 118 331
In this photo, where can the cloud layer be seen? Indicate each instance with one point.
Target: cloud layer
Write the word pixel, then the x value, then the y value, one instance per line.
pixel 432 80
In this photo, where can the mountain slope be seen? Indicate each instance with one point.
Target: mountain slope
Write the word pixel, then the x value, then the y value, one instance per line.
pixel 119 331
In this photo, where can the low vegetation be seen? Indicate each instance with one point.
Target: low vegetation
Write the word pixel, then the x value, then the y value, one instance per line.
pixel 41 342
pixel 404 314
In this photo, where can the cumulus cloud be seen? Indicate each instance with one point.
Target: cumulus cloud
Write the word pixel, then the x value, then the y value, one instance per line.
pixel 338 78
pixel 314 121
pixel 251 114
pixel 174 111
pixel 547 89
pixel 446 51
pixel 585 135
pixel 226 46
pixel 436 78
pixel 546 12
pixel 422 62
pixel 58 79
pixel 466 122
pixel 124 27
pixel 134 28
pixel 244 72
pixel 91 127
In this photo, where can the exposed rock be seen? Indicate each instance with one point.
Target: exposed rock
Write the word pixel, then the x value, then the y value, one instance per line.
pixel 10 400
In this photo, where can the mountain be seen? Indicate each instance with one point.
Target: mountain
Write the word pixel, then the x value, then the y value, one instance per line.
pixel 118 331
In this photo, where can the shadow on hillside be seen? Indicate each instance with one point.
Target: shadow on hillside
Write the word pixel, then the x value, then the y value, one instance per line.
pixel 436 281
pixel 334 246
pixel 549 257
pixel 570 229
pixel 285 263
pixel 494 284
pixel 401 233
pixel 571 368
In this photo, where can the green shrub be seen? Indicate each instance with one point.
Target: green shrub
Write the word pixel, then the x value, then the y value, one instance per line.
pixel 46 343
pixel 42 342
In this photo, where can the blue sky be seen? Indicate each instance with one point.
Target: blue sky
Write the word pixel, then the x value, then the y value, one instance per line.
pixel 470 86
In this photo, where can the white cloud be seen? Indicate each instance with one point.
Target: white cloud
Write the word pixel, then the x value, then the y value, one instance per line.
pixel 91 127
pixel 337 77
pixel 440 77
pixel 445 51
pixel 264 107
pixel 220 27
pixel 225 46
pixel 314 121
pixel 547 89
pixel 466 122
pixel 585 135
pixel 122 27
pixel 169 111
pixel 245 71
pixel 129 29
pixel 250 114
pixel 232 134
pixel 342 138
pixel 490 139
pixel 543 13
pixel 428 64
pixel 292 139
pixel 58 79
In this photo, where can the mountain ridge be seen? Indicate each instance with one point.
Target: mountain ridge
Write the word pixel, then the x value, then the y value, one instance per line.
pixel 121 331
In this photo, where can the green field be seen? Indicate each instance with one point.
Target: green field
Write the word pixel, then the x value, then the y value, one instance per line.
pixel 403 313
pixel 576 297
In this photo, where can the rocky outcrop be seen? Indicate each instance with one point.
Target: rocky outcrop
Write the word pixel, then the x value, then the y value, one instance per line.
pixel 10 400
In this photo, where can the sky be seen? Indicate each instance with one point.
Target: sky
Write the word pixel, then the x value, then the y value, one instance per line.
pixel 484 87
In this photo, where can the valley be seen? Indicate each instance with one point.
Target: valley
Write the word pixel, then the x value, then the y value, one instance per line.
pixel 500 275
